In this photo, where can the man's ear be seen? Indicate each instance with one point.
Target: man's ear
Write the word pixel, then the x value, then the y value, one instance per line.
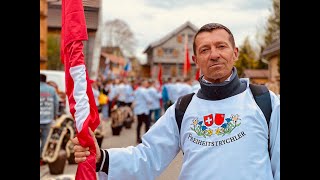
pixel 195 61
pixel 236 53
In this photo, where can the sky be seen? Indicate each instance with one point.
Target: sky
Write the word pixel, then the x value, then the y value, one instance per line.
pixel 150 20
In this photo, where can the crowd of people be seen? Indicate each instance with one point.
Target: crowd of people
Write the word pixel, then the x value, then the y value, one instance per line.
pixel 145 96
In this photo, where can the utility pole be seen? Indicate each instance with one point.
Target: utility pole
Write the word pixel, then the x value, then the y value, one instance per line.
pixel 97 45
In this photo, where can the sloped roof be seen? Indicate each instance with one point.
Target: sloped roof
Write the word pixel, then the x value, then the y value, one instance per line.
pixel 171 34
pixel 112 50
pixel 272 49
pixel 113 58
pixel 256 73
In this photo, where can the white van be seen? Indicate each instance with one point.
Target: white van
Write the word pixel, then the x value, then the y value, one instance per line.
pixel 56 76
pixel 59 78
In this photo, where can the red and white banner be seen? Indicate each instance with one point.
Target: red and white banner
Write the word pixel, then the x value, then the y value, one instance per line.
pixel 78 86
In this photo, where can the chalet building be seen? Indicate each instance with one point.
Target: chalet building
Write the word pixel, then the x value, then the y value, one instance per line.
pixel 257 76
pixel 135 68
pixel 113 59
pixel 50 25
pixel 169 51
pixel 272 54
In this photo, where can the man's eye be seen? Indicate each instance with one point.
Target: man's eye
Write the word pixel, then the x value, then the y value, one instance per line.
pixel 221 46
pixel 204 50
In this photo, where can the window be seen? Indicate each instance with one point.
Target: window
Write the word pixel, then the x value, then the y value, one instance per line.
pixel 168 51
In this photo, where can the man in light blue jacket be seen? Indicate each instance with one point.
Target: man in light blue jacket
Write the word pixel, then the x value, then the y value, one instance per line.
pixel 223 135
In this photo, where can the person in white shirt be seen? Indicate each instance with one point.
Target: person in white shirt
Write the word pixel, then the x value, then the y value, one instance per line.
pixel 185 87
pixel 155 108
pixel 174 90
pixel 129 93
pixel 96 92
pixel 141 107
pixel 223 135
pixel 122 94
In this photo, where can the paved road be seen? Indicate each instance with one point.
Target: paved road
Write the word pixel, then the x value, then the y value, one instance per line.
pixel 126 138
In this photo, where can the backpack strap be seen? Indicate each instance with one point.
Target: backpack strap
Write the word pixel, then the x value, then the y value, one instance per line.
pixel 181 106
pixel 261 95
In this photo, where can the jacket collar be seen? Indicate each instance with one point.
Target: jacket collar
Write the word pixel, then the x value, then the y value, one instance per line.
pixel 218 91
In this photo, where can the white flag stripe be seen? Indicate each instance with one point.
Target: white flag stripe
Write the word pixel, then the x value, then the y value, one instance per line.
pixel 82 106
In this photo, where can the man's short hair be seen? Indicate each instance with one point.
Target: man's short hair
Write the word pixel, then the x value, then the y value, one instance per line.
pixel 209 28
pixel 43 78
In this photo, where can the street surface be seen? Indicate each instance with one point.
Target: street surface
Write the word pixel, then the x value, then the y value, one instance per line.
pixel 127 138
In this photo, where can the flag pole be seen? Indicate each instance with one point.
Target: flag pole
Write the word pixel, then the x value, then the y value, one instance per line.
pixel 97 46
pixel 78 86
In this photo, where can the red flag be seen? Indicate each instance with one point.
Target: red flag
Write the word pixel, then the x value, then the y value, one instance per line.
pixel 78 86
pixel 197 74
pixel 160 75
pixel 186 65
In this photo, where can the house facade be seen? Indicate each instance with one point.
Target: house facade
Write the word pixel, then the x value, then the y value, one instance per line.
pixel 111 62
pixel 169 51
pixel 257 76
pixel 50 25
pixel 272 55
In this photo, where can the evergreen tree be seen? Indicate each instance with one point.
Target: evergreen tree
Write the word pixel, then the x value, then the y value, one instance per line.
pixel 272 31
pixel 247 57
pixel 273 24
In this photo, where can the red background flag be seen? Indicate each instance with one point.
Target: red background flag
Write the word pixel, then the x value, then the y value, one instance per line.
pixel 160 75
pixel 197 74
pixel 78 86
pixel 186 65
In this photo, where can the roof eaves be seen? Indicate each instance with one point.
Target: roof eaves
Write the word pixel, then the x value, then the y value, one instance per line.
pixel 172 33
pixel 272 49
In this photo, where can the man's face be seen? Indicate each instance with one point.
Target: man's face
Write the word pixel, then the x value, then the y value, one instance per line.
pixel 215 55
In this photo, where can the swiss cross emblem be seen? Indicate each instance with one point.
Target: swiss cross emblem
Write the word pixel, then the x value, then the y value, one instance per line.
pixel 208 120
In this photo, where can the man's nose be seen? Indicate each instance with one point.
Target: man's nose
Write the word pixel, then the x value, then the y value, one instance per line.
pixel 214 54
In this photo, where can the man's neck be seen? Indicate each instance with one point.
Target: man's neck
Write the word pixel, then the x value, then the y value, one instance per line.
pixel 217 81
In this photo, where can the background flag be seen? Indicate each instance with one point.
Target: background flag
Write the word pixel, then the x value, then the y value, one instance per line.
pixel 160 75
pixel 197 76
pixel 78 87
pixel 126 68
pixel 186 65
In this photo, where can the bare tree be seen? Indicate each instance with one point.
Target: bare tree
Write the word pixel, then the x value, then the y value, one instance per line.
pixel 118 33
